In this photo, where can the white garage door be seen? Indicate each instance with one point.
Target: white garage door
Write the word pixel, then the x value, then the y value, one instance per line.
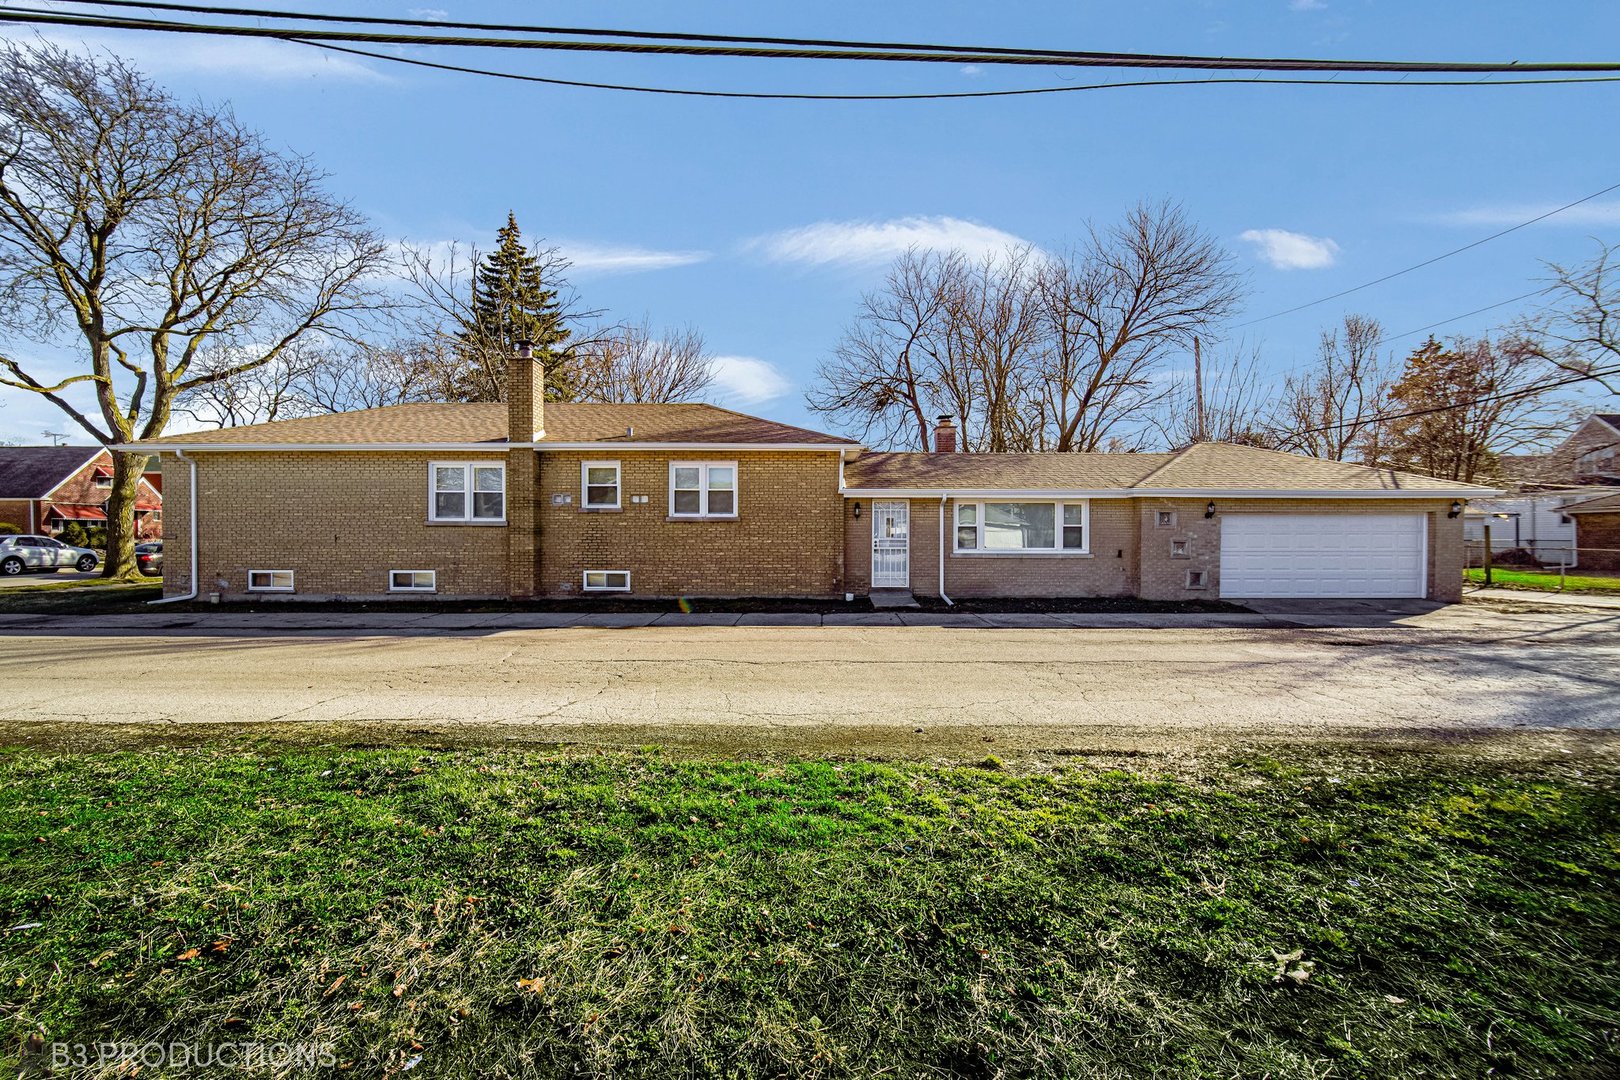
pixel 1328 555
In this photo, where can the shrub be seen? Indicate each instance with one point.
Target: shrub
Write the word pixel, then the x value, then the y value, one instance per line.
pixel 96 537
pixel 73 535
pixel 8 529
pixel 1515 557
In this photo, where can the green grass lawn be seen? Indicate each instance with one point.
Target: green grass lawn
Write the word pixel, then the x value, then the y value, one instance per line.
pixel 84 596
pixel 499 914
pixel 1507 578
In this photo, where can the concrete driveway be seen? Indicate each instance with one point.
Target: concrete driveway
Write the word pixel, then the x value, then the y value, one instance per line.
pixel 882 689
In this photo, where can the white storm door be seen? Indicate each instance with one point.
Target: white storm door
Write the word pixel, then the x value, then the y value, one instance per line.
pixel 891 545
pixel 1323 555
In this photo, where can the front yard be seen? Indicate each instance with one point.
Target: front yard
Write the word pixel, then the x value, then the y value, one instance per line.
pixel 488 913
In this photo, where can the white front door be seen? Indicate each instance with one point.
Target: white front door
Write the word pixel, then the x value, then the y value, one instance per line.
pixel 891 545
pixel 1323 555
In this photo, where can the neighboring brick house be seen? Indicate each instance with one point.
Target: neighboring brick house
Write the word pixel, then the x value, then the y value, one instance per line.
pixel 43 488
pixel 1597 532
pixel 534 499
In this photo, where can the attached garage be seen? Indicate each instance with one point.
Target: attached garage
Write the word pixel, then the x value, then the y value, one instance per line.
pixel 1323 555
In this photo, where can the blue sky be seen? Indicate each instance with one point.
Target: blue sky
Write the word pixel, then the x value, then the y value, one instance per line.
pixel 762 222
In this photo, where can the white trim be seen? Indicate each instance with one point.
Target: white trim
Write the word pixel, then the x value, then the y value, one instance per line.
pixel 877 514
pixel 585 468
pixel 1058 525
pixel 703 489
pixel 1049 494
pixel 491 447
pixel 468 492
pixel 433 578
pixel 586 586
pixel 289 587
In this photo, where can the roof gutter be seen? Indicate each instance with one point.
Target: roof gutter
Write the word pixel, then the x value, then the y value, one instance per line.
pixel 1461 492
pixel 486 447
pixel 191 517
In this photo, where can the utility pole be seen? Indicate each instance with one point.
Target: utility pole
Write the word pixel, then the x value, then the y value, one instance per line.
pixel 1198 391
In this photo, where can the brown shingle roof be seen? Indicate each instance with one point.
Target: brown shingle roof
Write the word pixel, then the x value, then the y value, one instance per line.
pixel 1203 467
pixel 486 423
pixel 1005 472
pixel 30 472
pixel 1608 504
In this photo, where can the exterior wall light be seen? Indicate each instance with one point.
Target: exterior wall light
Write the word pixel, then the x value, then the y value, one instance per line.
pixel 857 511
pixel 1456 509
pixel 1209 511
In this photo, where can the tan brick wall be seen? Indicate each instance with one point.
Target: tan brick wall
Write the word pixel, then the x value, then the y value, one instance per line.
pixel 341 521
pixel 786 541
pixel 1109 570
pixel 1598 531
pixel 1165 578
pixel 1130 553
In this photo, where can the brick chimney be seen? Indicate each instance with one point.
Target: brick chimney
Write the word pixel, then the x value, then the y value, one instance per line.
pixel 525 395
pixel 945 435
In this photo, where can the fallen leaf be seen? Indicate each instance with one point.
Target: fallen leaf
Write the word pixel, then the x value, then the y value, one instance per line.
pixel 1393 1000
pixel 535 986
pixel 337 982
pixel 189 954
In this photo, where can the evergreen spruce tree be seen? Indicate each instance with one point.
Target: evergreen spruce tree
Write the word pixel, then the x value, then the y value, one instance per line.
pixel 511 302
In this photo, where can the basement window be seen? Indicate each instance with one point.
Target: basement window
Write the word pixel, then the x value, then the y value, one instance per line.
pixel 607 581
pixel 270 581
pixel 413 581
pixel 1195 579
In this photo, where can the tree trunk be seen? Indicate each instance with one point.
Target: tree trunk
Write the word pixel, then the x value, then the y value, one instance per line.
pixel 120 561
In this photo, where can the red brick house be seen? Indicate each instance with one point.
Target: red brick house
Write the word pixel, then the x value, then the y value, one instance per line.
pixel 531 498
pixel 1597 532
pixel 43 488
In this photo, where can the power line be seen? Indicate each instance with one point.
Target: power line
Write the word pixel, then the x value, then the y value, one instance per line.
pixel 1430 262
pixel 839 51
pixel 1464 315
pixel 939 96
pixel 1506 395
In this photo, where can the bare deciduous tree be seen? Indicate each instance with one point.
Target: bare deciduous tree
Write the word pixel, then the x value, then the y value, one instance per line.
pixel 1235 401
pixel 1031 353
pixel 1331 410
pixel 155 232
pixel 1580 332
pixel 632 364
pixel 1129 295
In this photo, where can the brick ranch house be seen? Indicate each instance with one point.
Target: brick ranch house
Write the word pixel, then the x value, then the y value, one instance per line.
pixel 43 488
pixel 536 499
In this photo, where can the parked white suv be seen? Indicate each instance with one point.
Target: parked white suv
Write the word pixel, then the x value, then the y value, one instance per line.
pixel 42 555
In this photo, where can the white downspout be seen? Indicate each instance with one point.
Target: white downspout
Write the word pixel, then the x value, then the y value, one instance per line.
pixel 191 496
pixel 943 495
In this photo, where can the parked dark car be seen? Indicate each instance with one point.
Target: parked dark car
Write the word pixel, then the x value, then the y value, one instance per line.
pixel 149 558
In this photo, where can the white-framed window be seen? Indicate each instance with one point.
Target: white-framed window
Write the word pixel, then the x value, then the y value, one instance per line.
pixel 467 491
pixel 599 481
pixel 607 581
pixel 703 489
pixel 1181 549
pixel 991 528
pixel 270 581
pixel 413 581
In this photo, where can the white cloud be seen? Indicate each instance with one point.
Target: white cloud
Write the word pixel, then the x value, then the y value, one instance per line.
pixel 744 380
pixel 870 243
pixel 1307 5
pixel 185 54
pixel 436 14
pixel 972 71
pixel 599 259
pixel 1286 250
pixel 1586 214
